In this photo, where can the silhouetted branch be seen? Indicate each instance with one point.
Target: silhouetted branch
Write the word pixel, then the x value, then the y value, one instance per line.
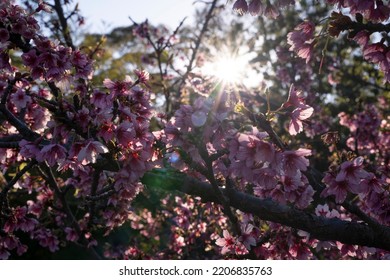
pixel 49 177
pixel 348 232
pixel 10 184
pixel 64 23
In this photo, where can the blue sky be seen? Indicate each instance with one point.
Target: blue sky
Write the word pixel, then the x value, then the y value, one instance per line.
pixel 102 14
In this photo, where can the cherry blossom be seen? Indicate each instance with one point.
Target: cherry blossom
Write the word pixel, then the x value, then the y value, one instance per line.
pixel 241 7
pixel 227 242
pixel 297 116
pixel 302 40
pixel 53 154
pixel 86 157
pixel 89 153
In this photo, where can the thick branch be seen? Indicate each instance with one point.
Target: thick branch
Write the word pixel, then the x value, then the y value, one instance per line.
pixel 348 232
pixel 9 145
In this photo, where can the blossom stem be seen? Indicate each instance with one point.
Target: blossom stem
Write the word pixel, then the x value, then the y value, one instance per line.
pixel 94 186
pixel 4 192
pixel 221 198
pixel 48 175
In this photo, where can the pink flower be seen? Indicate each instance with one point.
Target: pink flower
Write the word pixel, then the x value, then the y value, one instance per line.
pixel 118 87
pixel 324 211
pixel 88 154
pixel 29 149
pixel 375 53
pixel 30 58
pixel 47 239
pixel 20 99
pixel 100 99
pixel 106 131
pixel 301 40
pixel 79 59
pixel 297 116
pixel 301 111
pixel 299 251
pixel 255 7
pixel 337 188
pixel 227 242
pixel 362 38
pixel 53 154
pixel 295 161
pixel 247 236
pixel 83 118
pixel 294 99
pixel 265 178
pixel 378 12
pixel 241 7
pixel 42 6
pixel 352 171
pixel 125 134
pixel 291 183
pixel 71 234
pixel 252 150
pixel 373 183
pixel 143 76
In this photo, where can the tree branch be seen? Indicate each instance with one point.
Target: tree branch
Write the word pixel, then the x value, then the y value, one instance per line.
pixel 50 179
pixel 4 192
pixel 18 124
pixel 197 44
pixel 64 24
pixel 348 232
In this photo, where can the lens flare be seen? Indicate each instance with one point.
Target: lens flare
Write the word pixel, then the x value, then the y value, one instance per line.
pixel 227 68
pixel 230 67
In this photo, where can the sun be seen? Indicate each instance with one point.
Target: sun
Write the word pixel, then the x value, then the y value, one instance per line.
pixel 230 68
pixel 227 68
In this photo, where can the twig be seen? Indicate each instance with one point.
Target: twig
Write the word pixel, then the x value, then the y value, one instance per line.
pixel 197 45
pixel 48 175
pixel 218 193
pixel 64 24
pixel 18 124
pixel 4 192
pixel 94 186
pixel 7 91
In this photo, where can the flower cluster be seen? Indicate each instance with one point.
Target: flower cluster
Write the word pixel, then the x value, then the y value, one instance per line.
pixel 74 150
pixel 273 173
pixel 244 243
pixel 369 133
pixel 375 11
pixel 301 111
pixel 172 234
pixel 260 7
pixel 302 40
pixel 92 142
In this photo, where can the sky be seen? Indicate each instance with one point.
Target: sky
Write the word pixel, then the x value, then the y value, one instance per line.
pixel 104 15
